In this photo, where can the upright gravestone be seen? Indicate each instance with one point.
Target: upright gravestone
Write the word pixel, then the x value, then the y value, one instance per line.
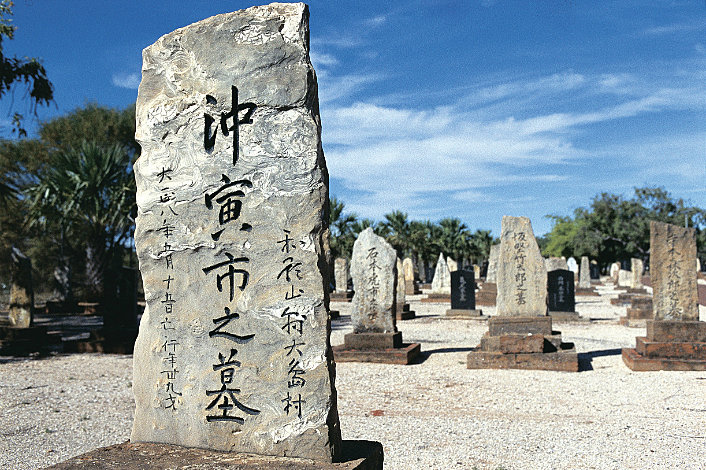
pixel 463 295
pixel 595 271
pixel 637 267
pixel 441 284
pixel 409 284
pixel 476 271
pixel 624 278
pixel 375 337
pixel 403 310
pixel 554 263
pixel 21 291
pixel 560 294
pixel 452 264
pixel 491 275
pixel 520 336
pixel 572 265
pixel 340 272
pixel 614 272
pixel 675 338
pixel 233 349
pixel 585 274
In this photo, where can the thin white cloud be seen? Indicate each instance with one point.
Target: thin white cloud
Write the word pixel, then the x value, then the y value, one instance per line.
pixel 375 21
pixel 320 59
pixel 674 28
pixel 126 80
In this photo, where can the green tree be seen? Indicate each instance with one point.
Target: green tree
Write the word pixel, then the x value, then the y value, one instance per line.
pixel 397 231
pixel 452 240
pixel 342 229
pixel 27 70
pixel 87 196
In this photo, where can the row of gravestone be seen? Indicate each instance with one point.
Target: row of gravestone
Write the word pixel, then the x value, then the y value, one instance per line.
pixel 233 352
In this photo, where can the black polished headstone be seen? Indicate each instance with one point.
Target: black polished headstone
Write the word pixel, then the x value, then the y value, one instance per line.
pixel 463 290
pixel 560 290
pixel 595 271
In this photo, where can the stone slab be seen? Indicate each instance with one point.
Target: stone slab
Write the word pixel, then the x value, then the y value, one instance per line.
pixel 341 296
pixel 586 292
pixel 566 316
pixel 462 313
pixel 562 361
pixel 683 350
pixel 679 331
pixel 639 363
pixel 437 298
pixel 411 288
pixel 632 323
pixel 498 326
pixel 512 344
pixel 370 340
pixel 356 455
pixel 402 356
pixel 635 313
pixel 406 315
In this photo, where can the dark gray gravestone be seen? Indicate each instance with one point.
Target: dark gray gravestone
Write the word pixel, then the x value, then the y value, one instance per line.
pixel 560 290
pixel 595 271
pixel 463 294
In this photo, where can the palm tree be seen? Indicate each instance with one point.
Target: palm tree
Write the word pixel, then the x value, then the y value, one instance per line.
pixel 88 194
pixel 341 226
pixel 453 238
pixel 398 231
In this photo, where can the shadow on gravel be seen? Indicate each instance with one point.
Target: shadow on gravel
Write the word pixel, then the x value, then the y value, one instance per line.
pixel 585 359
pixel 424 355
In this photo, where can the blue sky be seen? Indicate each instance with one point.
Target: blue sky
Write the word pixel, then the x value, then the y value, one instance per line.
pixel 469 109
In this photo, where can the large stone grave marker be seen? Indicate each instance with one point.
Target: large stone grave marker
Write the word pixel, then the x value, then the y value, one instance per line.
pixel 554 263
pixel 403 311
pixel 595 271
pixel 676 339
pixel 491 275
pixel 520 336
pixel 637 267
pixel 585 274
pixel 441 283
pixel 233 349
pixel 375 337
pixel 560 294
pixel 463 295
pixel 21 290
pixel 409 284
pixel 572 265
pixel 452 264
pixel 340 272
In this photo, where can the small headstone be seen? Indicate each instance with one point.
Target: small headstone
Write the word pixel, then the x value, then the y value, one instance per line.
pixel 584 274
pixel 476 271
pixel 572 265
pixel 441 284
pixel 560 288
pixel 463 294
pixel 614 272
pixel 624 278
pixel 595 270
pixel 491 275
pixel 672 272
pixel 374 271
pixel 555 263
pixel 401 297
pixel 341 275
pixel 408 268
pixel 698 265
pixel 637 267
pixel 522 275
pixel 453 265
pixel 233 351
pixel 21 291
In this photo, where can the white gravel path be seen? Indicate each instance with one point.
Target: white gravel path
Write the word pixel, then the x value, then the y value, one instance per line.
pixel 431 415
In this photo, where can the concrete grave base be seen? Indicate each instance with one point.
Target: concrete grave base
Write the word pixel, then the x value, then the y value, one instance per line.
pixel 437 298
pixel 460 313
pixel 341 296
pixel 586 291
pixel 373 340
pixel 487 294
pixel 385 348
pixel 523 343
pixel 566 316
pixel 405 313
pixel 410 288
pixel 357 455
pixel 669 345
pixel 632 323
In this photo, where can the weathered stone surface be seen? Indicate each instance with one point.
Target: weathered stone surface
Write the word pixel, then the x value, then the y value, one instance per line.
pixel 637 267
pixel 624 278
pixel 340 271
pixel 401 296
pixel 374 272
pixel 233 351
pixel 555 263
pixel 585 273
pixel 595 270
pixel 452 264
pixel 513 344
pixel 498 326
pixel 560 291
pixel 463 292
pixel 572 265
pixel 21 291
pixel 476 271
pixel 441 284
pixel 492 274
pixel 676 331
pixel 614 272
pixel 639 363
pixel 408 269
pixel 673 273
pixel 522 275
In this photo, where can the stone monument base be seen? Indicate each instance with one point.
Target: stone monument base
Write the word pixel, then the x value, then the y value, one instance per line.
pixel 487 294
pixel 357 455
pixel 341 296
pixel 523 343
pixel 669 345
pixel 461 313
pixel 405 313
pixel 410 288
pixel 24 341
pixel 566 316
pixel 384 348
pixel 113 341
pixel 590 291
pixel 437 298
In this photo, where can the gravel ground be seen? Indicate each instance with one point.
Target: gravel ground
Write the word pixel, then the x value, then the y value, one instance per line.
pixel 434 415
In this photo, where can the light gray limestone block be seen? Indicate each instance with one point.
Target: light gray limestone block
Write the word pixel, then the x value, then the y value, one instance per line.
pixel 233 351
pixel 21 290
pixel 374 272
pixel 585 273
pixel 637 267
pixel 401 295
pixel 522 273
pixel 572 265
pixel 441 283
pixel 341 274
pixel 492 274
pixel 408 267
